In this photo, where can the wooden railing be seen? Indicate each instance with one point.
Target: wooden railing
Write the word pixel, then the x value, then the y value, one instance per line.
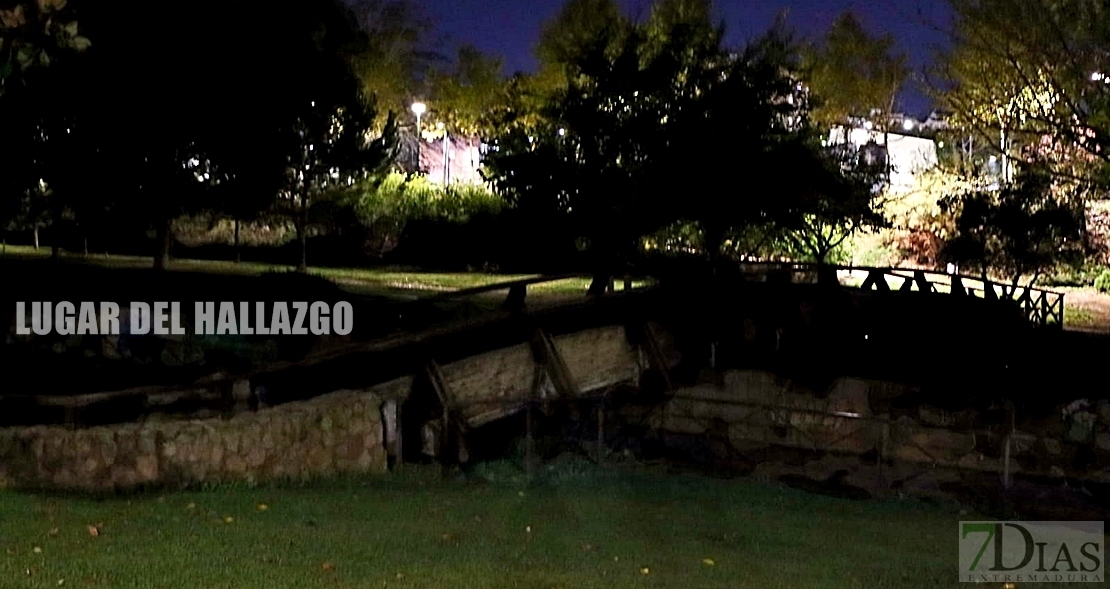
pixel 216 390
pixel 1043 308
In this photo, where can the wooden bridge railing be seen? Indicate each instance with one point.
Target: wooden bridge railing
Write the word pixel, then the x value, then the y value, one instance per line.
pixel 1043 308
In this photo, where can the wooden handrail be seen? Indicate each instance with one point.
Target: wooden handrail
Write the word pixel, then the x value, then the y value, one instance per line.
pixel 1041 306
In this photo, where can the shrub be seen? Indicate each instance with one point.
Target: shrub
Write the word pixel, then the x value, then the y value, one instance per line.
pixel 1102 283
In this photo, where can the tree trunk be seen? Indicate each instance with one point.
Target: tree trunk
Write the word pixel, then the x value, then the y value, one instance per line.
pixel 86 246
pixel 36 231
pixel 302 234
pixel 164 238
pixel 238 255
pixel 602 274
pixel 713 238
pixel 303 266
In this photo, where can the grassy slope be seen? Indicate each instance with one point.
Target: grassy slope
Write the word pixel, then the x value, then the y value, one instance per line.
pixel 635 531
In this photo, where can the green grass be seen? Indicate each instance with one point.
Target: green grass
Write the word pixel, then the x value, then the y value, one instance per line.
pixel 636 530
pixel 373 281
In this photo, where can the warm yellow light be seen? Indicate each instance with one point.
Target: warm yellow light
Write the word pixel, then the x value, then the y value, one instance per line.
pixel 419 108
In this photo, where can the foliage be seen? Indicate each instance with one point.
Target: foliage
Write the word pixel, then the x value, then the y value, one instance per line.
pixel 639 102
pixel 464 94
pixel 1019 231
pixel 843 202
pixel 34 34
pixel 1102 283
pixel 579 24
pixel 1030 70
pixel 328 125
pixel 854 74
pixel 395 55
pixel 208 228
pixel 643 100
pixel 404 198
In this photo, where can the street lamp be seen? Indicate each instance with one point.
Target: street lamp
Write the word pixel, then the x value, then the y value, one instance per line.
pixel 418 109
pixel 907 125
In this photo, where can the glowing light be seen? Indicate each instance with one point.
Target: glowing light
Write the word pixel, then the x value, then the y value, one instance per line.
pixel 907 125
pixel 419 108
pixel 562 132
pixel 868 125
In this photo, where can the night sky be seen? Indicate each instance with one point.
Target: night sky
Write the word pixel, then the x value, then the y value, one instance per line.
pixel 510 27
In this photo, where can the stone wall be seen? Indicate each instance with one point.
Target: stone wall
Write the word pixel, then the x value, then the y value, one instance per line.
pixel 752 409
pixel 336 433
pixel 755 408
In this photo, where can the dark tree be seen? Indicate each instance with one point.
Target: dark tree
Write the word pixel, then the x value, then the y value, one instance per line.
pixel 1016 232
pixel 659 123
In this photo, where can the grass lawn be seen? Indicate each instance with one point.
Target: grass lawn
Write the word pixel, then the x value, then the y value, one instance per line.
pixel 412 530
pixel 374 281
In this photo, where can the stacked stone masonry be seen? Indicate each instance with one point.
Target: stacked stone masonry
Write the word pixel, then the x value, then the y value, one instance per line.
pixel 333 434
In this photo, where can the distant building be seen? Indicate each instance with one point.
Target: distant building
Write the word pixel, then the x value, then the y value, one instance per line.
pixel 908 155
pixel 456 160
pixel 937 121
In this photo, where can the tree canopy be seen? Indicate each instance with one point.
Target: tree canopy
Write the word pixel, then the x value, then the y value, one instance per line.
pixel 653 110
pixel 853 73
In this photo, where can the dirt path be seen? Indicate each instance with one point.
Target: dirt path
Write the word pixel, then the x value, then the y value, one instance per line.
pixel 1087 310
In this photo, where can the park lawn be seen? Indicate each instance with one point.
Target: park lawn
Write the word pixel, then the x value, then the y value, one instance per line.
pixel 412 530
pixel 363 281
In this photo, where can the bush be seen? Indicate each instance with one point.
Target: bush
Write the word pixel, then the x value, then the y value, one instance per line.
pixel 1102 283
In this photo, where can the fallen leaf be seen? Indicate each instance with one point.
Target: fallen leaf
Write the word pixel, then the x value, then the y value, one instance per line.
pixel 527 529
pixel 53 531
pixel 228 519
pixel 191 506
pixel 708 562
pixel 400 576
pixel 328 566
pixel 520 493
pixel 61 582
pixel 587 547
pixel 37 550
pixel 645 571
pixel 616 558
pixel 263 507
pixel 94 531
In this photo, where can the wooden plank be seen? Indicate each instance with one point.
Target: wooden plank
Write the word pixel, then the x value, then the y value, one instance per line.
pixel 556 369
pixel 655 355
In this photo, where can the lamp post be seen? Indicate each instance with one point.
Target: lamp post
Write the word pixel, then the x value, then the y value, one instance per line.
pixel 418 109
